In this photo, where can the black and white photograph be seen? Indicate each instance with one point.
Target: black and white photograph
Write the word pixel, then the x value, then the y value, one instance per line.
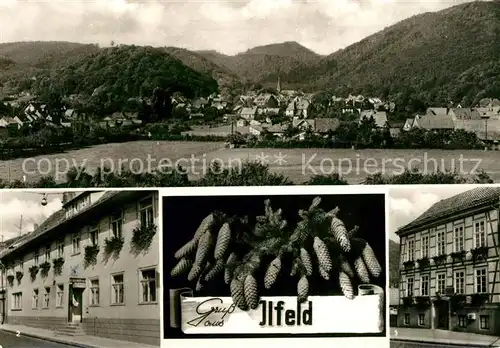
pixel 443 260
pixel 79 269
pixel 132 93
pixel 274 265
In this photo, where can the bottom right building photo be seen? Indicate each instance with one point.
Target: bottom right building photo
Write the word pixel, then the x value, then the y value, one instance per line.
pixel 444 270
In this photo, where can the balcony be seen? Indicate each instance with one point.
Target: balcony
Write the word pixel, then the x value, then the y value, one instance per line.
pixel 408 301
pixel 423 302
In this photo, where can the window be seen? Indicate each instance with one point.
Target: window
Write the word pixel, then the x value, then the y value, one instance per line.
pixel 441 243
pixel 17 300
pixel 34 303
pixel 60 248
pixel 479 234
pixel 76 243
pixel 481 281
pixel 410 287
pixel 484 322
pixel 459 238
pixel 421 319
pixel 94 292
pixel 47 253
pixel 94 235
pixel 441 283
pixel 116 224
pixel 46 297
pixel 462 321
pixel 19 266
pixel 36 257
pixel 148 285
pixel 407 318
pixel 425 246
pixel 117 288
pixel 60 295
pixel 411 250
pixel 425 285
pixel 460 282
pixel 146 215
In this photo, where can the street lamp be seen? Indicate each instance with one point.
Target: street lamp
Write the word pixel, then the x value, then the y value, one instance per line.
pixel 485 118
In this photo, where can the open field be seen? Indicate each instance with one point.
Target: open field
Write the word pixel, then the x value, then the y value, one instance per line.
pixel 297 164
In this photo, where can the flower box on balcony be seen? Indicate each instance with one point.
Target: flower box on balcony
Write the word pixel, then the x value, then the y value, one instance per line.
pixel 408 301
pixel 423 262
pixel 439 259
pixel 409 264
pixel 458 255
pixel 478 300
pixel 479 254
pixel 423 301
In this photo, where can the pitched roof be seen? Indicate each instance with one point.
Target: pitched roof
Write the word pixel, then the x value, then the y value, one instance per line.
pixel 454 205
pixel 435 122
pixel 437 111
pixel 249 111
pixel 380 117
pixel 54 220
pixel 323 125
pixel 466 113
pixel 479 127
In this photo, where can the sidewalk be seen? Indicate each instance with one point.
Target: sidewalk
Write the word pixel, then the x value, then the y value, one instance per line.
pixel 77 341
pixel 444 336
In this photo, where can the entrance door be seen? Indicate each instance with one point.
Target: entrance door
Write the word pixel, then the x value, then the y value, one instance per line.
pixel 75 305
pixel 442 314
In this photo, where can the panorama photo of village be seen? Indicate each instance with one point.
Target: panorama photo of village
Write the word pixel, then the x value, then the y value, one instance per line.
pixel 411 103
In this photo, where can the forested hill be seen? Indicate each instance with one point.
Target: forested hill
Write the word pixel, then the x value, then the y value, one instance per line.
pixel 452 54
pixel 393 263
pixel 124 72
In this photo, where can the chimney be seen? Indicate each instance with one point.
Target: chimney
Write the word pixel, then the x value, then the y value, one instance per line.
pixel 35 227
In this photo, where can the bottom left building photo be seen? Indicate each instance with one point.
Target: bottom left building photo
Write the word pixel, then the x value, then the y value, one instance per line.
pixel 79 268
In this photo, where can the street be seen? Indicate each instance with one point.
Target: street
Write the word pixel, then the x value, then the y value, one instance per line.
pixel 10 340
pixel 408 344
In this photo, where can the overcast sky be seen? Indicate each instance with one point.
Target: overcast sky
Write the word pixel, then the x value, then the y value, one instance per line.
pixel 407 203
pixel 13 205
pixel 228 26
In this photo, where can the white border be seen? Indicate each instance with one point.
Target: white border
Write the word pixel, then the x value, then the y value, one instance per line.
pixel 298 342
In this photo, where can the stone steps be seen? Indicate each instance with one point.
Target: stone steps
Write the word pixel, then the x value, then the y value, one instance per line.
pixel 71 329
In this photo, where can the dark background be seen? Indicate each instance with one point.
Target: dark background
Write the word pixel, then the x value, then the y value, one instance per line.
pixel 182 216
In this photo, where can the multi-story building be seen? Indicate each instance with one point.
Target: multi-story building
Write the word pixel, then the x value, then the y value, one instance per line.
pixel 449 265
pixel 90 268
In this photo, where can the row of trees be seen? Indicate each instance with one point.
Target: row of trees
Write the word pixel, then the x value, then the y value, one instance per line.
pixel 251 174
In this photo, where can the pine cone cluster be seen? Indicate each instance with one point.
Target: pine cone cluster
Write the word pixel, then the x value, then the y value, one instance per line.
pixel 319 245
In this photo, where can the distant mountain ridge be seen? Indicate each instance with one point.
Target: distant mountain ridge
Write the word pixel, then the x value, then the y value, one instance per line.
pixel 435 58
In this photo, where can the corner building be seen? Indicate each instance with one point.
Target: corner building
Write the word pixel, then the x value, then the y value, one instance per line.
pixel 449 265
pixel 90 268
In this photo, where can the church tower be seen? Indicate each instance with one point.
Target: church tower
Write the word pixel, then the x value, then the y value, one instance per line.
pixel 278 86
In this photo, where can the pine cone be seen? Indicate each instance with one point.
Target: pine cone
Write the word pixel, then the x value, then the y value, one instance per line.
pixel 203 248
pixel 205 226
pixel 268 244
pixel 322 254
pixel 182 266
pixel 306 261
pixel 300 233
pixel 371 261
pixel 223 239
pixel 228 272
pixel 186 249
pixel 315 203
pixel 195 272
pixel 324 274
pixel 346 285
pixel 340 232
pixel 238 294
pixel 272 273
pixel 215 270
pixel 302 289
pixel 251 292
pixel 346 268
pixel 361 271
pixel 199 285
